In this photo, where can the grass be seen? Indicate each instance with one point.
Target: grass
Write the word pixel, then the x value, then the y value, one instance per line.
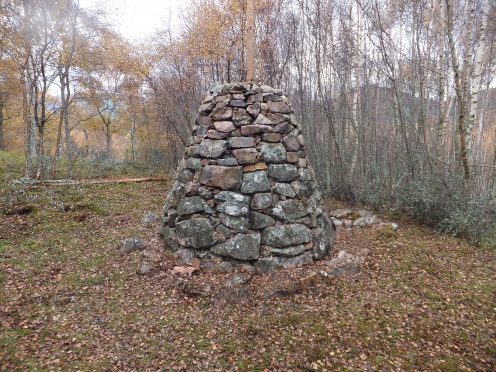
pixel 69 301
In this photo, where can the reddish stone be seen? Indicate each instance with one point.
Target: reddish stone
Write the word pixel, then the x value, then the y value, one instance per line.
pixel 246 155
pixel 226 178
pixel 255 167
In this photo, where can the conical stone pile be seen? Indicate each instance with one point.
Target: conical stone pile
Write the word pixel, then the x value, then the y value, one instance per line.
pixel 245 190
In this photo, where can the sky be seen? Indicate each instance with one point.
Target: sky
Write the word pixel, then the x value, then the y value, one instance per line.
pixel 137 19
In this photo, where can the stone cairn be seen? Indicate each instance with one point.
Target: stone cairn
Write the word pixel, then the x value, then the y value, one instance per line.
pixel 245 190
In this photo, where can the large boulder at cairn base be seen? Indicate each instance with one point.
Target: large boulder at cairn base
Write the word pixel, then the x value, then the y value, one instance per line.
pixel 245 190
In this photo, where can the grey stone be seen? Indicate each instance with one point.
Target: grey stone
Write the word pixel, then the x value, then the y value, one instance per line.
pixel 271 97
pixel 324 237
pixel 261 200
pixel 146 268
pixel 250 130
pixel 235 223
pixel 241 117
pixel 174 196
pixel 228 161
pixel 364 213
pixel 284 189
pixel 305 174
pixel 255 182
pixel 288 252
pixel 206 108
pixel 203 121
pixel 283 128
pixel 273 153
pixel 260 220
pixel 185 176
pixel 226 178
pixel 291 142
pixel 283 172
pixel 184 256
pixel 240 247
pixel 211 148
pixel 150 218
pixel 298 261
pixel 302 189
pixel 132 244
pixel 281 107
pixel 230 196
pixel 233 208
pixel 262 120
pixel 221 113
pixel 202 130
pixel 216 135
pixel 255 98
pixel 170 237
pixel 271 137
pixel 286 235
pixel 192 204
pixel 254 109
pixel 289 210
pixel 224 231
pixel 232 203
pixel 237 280
pixel 193 164
pixel 241 142
pixel 205 193
pixel 366 221
pixel 195 233
pixel 224 126
pixel 238 103
pixel 345 264
pixel 275 118
pixel 266 265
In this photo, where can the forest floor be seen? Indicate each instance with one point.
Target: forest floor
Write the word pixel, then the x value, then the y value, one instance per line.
pixel 68 300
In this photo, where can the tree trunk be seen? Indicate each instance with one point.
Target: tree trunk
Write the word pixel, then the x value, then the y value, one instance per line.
pixel 459 93
pixel 61 120
pixel 250 40
pixel 2 104
pixel 475 87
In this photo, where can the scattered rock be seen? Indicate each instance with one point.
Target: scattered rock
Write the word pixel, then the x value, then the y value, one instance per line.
pixel 184 270
pixel 341 213
pixel 345 264
pixel 150 218
pixel 237 280
pixel 195 289
pixel 146 268
pixel 132 244
pixel 184 256
pixel 366 221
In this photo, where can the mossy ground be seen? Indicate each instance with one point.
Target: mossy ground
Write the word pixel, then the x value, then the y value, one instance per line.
pixel 69 301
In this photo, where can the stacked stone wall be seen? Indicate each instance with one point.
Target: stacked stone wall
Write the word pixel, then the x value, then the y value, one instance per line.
pixel 245 190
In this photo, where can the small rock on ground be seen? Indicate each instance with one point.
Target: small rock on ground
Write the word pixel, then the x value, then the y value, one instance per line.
pixel 132 244
pixel 150 218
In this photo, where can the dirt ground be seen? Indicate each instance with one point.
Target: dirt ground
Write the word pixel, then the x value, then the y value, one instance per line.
pixel 68 300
